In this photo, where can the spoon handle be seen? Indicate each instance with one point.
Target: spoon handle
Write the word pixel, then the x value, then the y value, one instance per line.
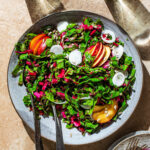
pixel 38 140
pixel 37 133
pixel 59 136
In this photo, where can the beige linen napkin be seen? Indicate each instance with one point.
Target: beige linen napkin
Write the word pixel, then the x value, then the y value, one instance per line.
pixel 41 8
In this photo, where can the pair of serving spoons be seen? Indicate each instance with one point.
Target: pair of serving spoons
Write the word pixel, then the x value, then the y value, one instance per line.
pixel 38 139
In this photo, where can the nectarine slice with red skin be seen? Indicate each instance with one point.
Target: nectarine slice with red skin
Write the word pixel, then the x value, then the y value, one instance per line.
pixel 103 114
pixel 89 48
pixel 94 50
pixel 35 40
pixel 99 51
pixel 42 47
pixel 37 45
pixel 98 60
pixel 106 56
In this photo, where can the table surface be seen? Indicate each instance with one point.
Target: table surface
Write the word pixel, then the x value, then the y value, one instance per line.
pixel 14 135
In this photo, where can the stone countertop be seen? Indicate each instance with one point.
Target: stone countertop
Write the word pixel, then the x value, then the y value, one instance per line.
pixel 14 135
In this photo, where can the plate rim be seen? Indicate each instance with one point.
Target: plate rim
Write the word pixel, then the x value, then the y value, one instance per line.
pixel 126 137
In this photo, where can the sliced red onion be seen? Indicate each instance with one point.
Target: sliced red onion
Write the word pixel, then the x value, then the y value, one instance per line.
pixel 85 106
pixel 88 97
pixel 105 32
pixel 124 72
pixel 118 79
pixel 118 51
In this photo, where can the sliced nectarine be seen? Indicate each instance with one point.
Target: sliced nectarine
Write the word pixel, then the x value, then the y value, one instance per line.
pixel 42 47
pixel 100 57
pixel 38 44
pixel 35 40
pixel 89 48
pixel 99 51
pixel 106 56
pixel 103 114
pixel 95 49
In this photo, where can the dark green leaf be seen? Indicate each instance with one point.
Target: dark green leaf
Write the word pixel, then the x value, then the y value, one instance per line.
pixel 27 100
pixel 21 79
pixel 49 42
pixel 17 69
pixel 23 56
pixel 49 96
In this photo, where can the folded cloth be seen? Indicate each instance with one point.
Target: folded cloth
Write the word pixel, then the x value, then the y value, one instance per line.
pixel 38 9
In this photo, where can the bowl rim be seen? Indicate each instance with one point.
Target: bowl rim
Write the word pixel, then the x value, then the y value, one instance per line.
pixel 88 13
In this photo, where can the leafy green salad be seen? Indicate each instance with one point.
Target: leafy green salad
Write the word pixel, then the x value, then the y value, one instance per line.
pixel 81 68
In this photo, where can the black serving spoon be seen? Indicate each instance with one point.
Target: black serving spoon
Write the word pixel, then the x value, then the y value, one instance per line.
pixel 59 135
pixel 37 135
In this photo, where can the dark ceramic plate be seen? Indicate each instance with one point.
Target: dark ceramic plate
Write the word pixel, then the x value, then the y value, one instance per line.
pixel 143 138
pixel 47 124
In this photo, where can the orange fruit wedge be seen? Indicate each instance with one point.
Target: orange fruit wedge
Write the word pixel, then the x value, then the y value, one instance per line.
pixel 35 40
pixel 103 114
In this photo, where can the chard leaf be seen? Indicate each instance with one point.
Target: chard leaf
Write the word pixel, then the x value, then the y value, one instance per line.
pixel 21 79
pixel 17 69
pixel 60 63
pixel 27 100
pixel 128 60
pixel 31 35
pixel 71 25
pixel 23 56
pixel 69 126
pixel 87 20
pixel 112 94
pixel 132 74
pixel 89 102
pixel 91 125
pixel 49 96
pixel 71 110
pixel 88 58
pixel 20 47
pixel 49 42
pixel 71 32
pixel 86 36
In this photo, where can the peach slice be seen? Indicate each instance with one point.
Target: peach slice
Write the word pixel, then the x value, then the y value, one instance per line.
pixel 99 57
pixel 42 47
pixel 35 40
pixel 38 44
pixel 103 114
pixel 106 56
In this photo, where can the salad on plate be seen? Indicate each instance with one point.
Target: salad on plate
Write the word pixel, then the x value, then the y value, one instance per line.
pixel 83 66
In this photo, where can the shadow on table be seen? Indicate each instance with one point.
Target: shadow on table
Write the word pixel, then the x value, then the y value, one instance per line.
pixel 134 18
pixel 140 120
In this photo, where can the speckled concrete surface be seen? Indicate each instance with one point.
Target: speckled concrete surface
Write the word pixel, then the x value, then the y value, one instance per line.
pixel 14 20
